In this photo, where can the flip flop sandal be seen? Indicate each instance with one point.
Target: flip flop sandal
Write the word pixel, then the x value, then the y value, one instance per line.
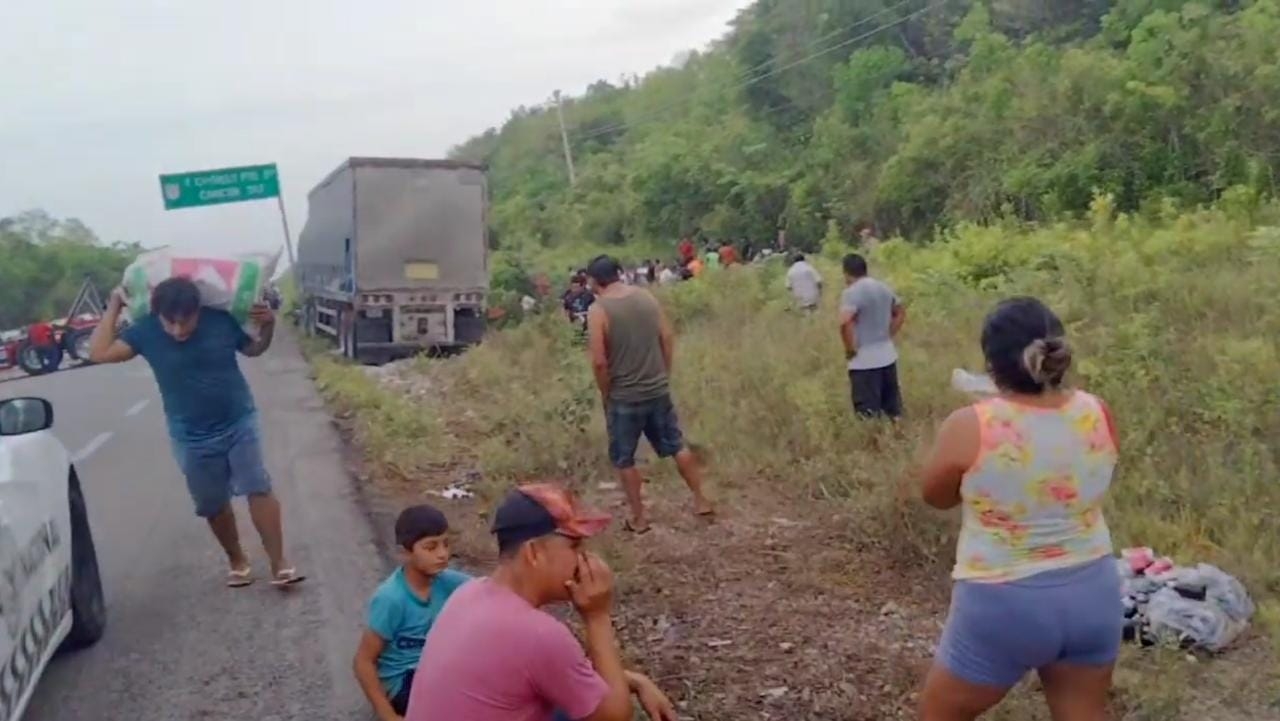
pixel 239 577
pixel 628 526
pixel 287 577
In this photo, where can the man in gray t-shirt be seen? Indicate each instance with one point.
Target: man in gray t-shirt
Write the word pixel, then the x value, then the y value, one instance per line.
pixel 870 318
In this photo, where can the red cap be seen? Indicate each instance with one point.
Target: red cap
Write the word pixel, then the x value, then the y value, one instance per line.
pixel 540 509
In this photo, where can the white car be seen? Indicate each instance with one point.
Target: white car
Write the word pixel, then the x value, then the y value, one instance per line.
pixel 50 588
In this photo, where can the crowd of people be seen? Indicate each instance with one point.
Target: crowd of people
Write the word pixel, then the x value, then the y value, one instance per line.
pixel 693 258
pixel 1034 588
pixel 579 296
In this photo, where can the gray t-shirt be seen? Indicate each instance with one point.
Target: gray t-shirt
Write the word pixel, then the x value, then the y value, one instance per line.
pixel 872 303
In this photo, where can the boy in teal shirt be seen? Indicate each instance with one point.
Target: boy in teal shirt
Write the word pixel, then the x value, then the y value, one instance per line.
pixel 403 610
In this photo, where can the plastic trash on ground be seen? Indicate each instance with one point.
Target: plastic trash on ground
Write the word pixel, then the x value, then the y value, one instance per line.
pixel 227 282
pixel 1191 606
pixel 454 492
pixel 1227 591
pixel 1175 619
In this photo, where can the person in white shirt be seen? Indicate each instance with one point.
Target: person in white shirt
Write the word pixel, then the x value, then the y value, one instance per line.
pixel 668 275
pixel 804 282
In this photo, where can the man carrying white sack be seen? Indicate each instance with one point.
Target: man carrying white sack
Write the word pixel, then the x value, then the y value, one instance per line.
pixel 213 423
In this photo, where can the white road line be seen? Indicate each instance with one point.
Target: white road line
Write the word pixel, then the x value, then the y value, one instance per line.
pixel 91 447
pixel 136 408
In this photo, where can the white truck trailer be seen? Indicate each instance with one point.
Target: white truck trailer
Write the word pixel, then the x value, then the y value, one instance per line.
pixel 393 259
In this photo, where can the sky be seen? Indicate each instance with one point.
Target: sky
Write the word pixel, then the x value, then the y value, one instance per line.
pixel 99 97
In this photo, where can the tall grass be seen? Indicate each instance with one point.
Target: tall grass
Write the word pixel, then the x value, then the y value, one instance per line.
pixel 1174 320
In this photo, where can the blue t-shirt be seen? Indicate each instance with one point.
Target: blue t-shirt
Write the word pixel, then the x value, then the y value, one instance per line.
pixel 402 619
pixel 205 395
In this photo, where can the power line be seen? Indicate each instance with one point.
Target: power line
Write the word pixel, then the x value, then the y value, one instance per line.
pixel 752 71
pixel 749 72
pixel 909 16
pixel 764 76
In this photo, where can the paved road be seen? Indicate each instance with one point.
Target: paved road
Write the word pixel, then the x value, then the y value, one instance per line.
pixel 179 645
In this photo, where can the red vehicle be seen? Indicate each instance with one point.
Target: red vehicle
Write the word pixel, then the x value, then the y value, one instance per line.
pixel 9 351
pixel 45 344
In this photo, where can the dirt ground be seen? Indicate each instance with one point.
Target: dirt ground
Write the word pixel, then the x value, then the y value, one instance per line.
pixel 775 609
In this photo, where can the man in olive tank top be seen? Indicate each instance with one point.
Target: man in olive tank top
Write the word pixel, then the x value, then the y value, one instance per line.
pixel 631 351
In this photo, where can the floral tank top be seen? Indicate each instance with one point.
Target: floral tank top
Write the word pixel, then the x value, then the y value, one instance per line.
pixel 1032 501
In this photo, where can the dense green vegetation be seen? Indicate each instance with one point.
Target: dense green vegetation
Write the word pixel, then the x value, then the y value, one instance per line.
pixel 820 116
pixel 45 262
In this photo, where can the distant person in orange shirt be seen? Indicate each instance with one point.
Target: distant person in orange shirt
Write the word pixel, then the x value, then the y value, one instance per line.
pixel 695 266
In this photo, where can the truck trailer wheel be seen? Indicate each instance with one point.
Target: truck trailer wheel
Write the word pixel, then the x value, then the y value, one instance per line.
pixel 347 336
pixel 309 320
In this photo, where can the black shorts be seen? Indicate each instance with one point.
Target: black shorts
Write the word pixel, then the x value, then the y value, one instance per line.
pixel 400 702
pixel 876 393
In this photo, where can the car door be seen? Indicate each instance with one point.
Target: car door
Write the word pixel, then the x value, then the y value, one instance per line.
pixel 34 561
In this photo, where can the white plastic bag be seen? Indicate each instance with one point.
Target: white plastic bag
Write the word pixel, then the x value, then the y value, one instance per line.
pixel 229 282
pixel 1226 591
pixel 973 383
pixel 1176 619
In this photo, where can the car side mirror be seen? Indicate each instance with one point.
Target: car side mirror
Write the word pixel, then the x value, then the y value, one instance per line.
pixel 19 416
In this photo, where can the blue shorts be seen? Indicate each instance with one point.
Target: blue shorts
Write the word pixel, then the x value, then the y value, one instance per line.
pixel 997 632
pixel 226 465
pixel 655 420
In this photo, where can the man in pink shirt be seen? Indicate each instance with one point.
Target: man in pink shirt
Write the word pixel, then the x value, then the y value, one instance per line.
pixel 494 655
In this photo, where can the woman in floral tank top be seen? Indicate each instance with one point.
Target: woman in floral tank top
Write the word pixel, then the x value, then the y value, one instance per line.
pixel 1035 586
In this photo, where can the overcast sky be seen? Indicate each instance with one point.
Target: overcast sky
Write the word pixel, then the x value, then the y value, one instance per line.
pixel 99 97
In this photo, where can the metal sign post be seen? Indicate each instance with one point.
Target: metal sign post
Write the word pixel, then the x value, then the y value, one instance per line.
pixel 288 242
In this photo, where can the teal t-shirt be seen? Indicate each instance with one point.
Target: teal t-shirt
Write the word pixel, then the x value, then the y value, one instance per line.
pixel 204 393
pixel 402 620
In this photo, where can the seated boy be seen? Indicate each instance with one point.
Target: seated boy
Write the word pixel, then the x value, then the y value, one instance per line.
pixel 403 610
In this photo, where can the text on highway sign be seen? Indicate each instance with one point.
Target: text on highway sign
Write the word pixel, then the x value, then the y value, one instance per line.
pixel 226 185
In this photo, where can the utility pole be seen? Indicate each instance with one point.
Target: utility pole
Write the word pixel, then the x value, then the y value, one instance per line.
pixel 564 136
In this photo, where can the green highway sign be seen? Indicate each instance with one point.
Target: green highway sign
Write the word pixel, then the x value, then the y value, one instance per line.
pixel 212 187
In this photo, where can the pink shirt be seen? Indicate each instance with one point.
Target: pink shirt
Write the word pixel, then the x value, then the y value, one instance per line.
pixel 491 656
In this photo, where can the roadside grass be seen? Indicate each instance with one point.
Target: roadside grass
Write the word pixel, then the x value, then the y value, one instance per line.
pixel 1174 320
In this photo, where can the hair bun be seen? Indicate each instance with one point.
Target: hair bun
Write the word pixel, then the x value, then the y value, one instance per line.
pixel 1047 360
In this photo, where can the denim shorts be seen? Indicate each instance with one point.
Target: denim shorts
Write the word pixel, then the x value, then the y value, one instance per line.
pixel 226 465
pixel 997 632
pixel 654 419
